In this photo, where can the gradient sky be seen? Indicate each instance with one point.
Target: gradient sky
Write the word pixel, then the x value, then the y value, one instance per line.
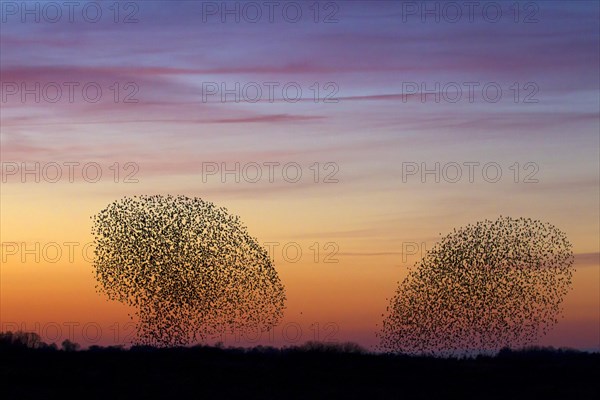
pixel 370 54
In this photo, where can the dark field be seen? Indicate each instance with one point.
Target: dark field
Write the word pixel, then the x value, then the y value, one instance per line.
pixel 308 372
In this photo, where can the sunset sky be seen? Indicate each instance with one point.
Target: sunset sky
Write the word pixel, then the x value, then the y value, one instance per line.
pixel 362 116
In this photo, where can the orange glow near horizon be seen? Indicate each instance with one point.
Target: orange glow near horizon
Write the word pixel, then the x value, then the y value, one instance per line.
pixel 383 151
pixel 342 299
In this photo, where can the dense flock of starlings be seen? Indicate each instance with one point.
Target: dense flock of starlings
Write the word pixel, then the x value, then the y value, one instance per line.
pixel 483 287
pixel 190 269
pixel 192 272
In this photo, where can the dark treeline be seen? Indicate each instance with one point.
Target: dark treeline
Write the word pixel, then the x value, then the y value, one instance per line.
pixel 32 369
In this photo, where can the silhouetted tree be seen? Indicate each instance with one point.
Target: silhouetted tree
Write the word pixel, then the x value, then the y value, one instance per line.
pixel 329 347
pixel 483 287
pixel 68 345
pixel 190 269
pixel 23 340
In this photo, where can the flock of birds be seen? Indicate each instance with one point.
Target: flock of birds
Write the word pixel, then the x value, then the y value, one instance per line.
pixel 483 287
pixel 192 271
